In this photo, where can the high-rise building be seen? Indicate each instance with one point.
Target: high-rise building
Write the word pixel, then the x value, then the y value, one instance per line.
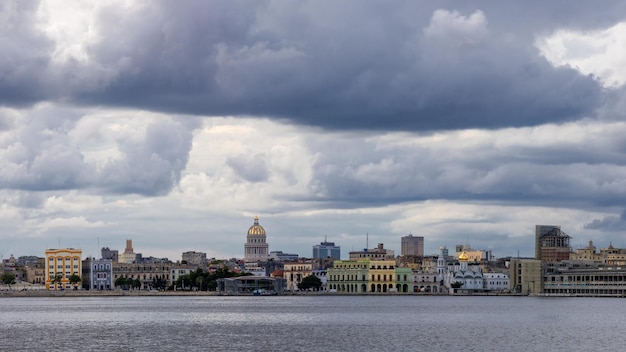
pixel 107 253
pixel 326 250
pixel 412 246
pixel 551 244
pixel 129 255
pixel 256 247
pixel 62 263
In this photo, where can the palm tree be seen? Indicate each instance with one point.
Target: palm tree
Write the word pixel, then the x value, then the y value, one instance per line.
pixel 74 279
pixel 56 280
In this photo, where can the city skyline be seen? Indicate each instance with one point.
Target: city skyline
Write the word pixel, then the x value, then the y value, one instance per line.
pixel 175 124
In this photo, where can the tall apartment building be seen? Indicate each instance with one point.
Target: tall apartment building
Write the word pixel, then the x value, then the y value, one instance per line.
pixel 526 276
pixel 412 246
pixel 326 250
pixel 64 262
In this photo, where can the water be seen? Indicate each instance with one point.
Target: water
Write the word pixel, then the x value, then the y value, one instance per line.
pixel 311 323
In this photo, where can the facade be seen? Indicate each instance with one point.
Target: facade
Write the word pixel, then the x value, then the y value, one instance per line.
pixel 279 256
pixel 349 276
pixel 426 282
pixel 382 276
pixel 378 253
pixel 195 258
pixel 256 247
pixel 107 253
pixel 36 272
pixel 100 274
pixel 326 250
pixel 496 282
pixel 295 272
pixel 251 285
pixel 412 246
pixel 551 244
pixel 178 271
pixel 525 276
pixel 586 282
pixel 64 263
pixel 147 273
pixel 404 279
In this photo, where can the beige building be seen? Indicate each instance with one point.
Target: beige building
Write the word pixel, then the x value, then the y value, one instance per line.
pixel 65 263
pixel 525 276
pixel 378 253
pixel 145 272
pixel 294 272
pixel 129 255
pixel 382 275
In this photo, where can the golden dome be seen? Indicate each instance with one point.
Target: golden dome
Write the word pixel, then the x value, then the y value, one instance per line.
pixel 256 229
pixel 463 257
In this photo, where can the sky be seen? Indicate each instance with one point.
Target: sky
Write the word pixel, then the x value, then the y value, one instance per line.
pixel 175 123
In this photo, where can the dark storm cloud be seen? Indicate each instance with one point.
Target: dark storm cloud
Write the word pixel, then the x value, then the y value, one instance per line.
pixel 360 65
pixel 609 223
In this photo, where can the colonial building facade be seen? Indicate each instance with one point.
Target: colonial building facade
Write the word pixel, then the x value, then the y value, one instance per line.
pixel 63 263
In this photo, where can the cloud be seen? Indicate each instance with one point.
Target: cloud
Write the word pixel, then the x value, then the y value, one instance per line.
pixel 412 66
pixel 251 168
pixel 609 223
pixel 49 150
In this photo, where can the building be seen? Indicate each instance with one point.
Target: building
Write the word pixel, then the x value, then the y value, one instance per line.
pixel 62 263
pixel 107 253
pixel 378 253
pixel 195 258
pixel 496 282
pixel 256 247
pixel 467 277
pixel 147 273
pixel 426 282
pixel 101 274
pixel 551 244
pixel 294 273
pixel 181 270
pixel 326 250
pixel 349 276
pixel 569 280
pixel 525 276
pixel 129 255
pixel 251 285
pixel 279 256
pixel 412 246
pixel 473 255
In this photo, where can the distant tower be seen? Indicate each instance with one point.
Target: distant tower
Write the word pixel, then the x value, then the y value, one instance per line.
pixel 551 244
pixel 441 263
pixel 412 246
pixel 256 247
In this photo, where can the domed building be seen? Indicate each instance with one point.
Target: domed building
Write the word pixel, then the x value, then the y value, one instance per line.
pixel 256 247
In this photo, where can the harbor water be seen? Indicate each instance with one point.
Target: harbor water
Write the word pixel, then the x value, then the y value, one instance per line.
pixel 311 323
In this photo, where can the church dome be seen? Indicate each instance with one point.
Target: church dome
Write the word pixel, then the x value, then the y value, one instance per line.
pixel 463 257
pixel 256 229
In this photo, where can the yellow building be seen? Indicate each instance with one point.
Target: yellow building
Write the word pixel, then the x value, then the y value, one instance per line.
pixel 382 275
pixel 63 262
pixel 525 276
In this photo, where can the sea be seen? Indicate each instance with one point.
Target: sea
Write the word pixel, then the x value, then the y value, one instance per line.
pixel 312 323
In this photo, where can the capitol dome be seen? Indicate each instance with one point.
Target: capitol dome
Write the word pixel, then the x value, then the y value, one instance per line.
pixel 256 229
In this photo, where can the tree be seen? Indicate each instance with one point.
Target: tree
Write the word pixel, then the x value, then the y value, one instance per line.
pixel 74 279
pixel 8 278
pixel 456 284
pixel 310 282
pixel 121 282
pixel 56 280
pixel 136 284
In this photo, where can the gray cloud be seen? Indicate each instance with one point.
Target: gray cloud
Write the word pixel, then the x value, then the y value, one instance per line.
pixel 609 223
pixel 366 66
pixel 251 168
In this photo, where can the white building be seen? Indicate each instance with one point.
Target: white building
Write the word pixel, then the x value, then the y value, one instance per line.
pixel 498 282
